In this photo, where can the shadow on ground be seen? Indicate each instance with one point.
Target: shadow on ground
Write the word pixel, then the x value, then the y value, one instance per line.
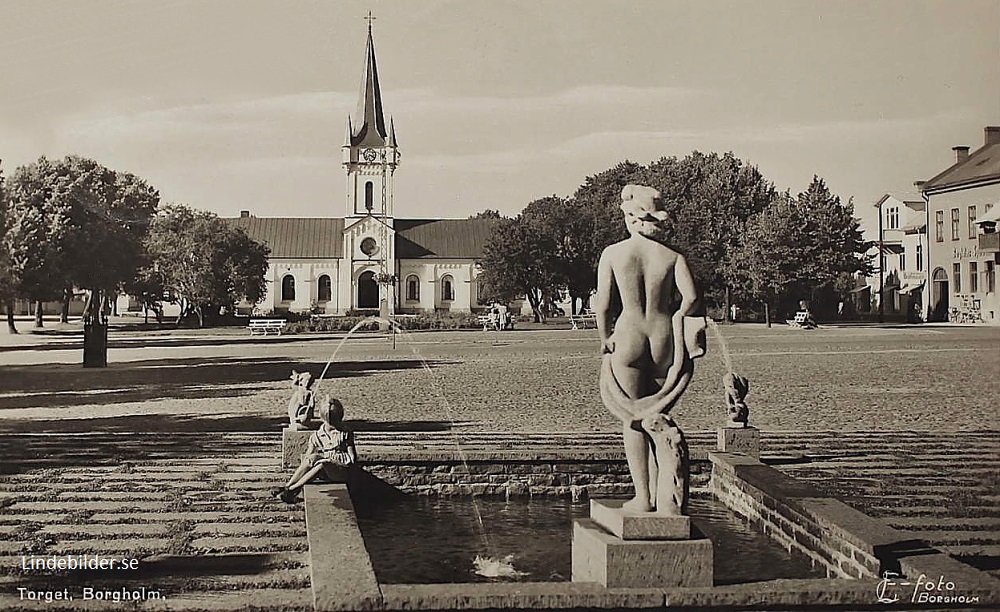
pixel 22 453
pixel 46 385
pixel 194 423
pixel 73 340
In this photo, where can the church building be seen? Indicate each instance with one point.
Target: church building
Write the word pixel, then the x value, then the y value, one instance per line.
pixel 369 258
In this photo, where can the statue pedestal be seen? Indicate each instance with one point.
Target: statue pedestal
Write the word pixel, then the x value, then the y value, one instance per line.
pixel 656 551
pixel 740 440
pixel 631 525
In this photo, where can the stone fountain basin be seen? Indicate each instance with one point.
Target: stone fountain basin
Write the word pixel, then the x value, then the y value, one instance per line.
pixel 851 548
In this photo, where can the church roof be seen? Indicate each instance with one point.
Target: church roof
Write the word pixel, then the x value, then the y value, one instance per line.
pixel 459 238
pixel 369 122
pixel 296 238
pixel 322 238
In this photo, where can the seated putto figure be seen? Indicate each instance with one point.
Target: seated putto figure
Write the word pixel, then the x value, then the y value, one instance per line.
pixel 302 404
pixel 645 305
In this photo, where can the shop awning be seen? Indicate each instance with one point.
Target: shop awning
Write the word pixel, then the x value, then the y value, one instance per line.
pixel 990 216
pixel 910 286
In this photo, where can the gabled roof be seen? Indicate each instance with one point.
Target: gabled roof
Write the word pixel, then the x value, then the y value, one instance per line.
pixel 322 238
pixel 459 238
pixel 982 165
pixel 296 238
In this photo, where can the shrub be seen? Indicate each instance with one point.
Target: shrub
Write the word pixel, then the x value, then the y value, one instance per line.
pixel 423 321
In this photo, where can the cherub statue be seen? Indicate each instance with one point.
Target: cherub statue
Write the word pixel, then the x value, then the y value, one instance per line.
pixel 737 388
pixel 645 304
pixel 302 404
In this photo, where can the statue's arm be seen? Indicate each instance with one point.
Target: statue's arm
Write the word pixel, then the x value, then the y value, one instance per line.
pixel 604 299
pixel 687 287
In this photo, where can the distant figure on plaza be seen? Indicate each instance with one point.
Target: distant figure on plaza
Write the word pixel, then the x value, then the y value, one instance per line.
pixel 330 450
pixel 302 404
pixel 646 304
pixel 503 316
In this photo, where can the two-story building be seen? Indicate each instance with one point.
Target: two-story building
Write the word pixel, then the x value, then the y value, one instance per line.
pixel 901 245
pixel 962 282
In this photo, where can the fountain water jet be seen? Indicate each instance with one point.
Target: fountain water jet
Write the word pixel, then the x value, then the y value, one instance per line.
pixel 493 565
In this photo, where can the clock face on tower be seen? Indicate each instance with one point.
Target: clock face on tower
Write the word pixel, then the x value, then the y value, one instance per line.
pixel 369 155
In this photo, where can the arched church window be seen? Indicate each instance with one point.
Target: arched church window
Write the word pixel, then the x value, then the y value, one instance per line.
pixel 412 288
pixel 447 289
pixel 369 196
pixel 325 289
pixel 288 288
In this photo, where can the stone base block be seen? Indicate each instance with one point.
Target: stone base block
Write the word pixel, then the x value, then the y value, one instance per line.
pixel 612 562
pixel 293 444
pixel 740 440
pixel 631 525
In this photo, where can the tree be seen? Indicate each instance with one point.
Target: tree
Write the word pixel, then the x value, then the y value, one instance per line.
pixel 205 263
pixel 710 197
pixel 8 291
pixel 489 213
pixel 528 255
pixel 35 237
pixel 797 246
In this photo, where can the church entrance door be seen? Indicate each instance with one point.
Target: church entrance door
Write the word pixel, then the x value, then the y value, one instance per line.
pixel 367 291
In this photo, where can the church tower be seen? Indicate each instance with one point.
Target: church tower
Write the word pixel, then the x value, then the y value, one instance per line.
pixel 370 154
pixel 370 159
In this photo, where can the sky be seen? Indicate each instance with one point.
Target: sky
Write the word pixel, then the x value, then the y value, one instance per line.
pixel 229 105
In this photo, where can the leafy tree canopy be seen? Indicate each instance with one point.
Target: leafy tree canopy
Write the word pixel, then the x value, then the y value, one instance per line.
pixel 203 261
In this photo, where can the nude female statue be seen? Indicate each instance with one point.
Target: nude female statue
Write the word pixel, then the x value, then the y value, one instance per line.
pixel 645 302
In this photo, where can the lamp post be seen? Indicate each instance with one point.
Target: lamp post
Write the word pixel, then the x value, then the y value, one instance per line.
pixel 881 266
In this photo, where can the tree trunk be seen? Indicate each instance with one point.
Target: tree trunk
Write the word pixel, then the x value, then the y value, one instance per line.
pixel 767 313
pixel 38 314
pixel 67 298
pixel 10 317
pixel 201 316
pixel 535 306
pixel 727 313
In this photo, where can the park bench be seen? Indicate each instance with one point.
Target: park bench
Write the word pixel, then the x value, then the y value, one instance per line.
pixel 489 322
pixel 582 319
pixel 266 325
pixel 802 320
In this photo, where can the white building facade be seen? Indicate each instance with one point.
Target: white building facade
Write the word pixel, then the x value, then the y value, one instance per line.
pixel 962 260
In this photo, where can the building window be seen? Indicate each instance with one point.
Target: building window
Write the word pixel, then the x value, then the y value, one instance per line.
pixel 288 288
pixel 412 288
pixel 892 218
pixel 920 257
pixel 902 260
pixel 955 214
pixel 447 289
pixel 369 196
pixel 325 289
pixel 368 246
pixel 956 273
pixel 991 277
pixel 972 222
pixel 939 226
pixel 973 277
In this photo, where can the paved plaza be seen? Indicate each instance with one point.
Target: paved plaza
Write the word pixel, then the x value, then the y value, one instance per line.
pixel 171 450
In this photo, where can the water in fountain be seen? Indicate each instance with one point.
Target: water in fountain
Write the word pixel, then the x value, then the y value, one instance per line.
pixel 717 332
pixel 493 565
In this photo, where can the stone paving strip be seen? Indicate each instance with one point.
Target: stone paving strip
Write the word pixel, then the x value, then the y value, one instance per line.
pixel 204 497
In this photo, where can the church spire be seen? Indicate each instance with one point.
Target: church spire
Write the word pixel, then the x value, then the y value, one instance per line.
pixel 369 126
